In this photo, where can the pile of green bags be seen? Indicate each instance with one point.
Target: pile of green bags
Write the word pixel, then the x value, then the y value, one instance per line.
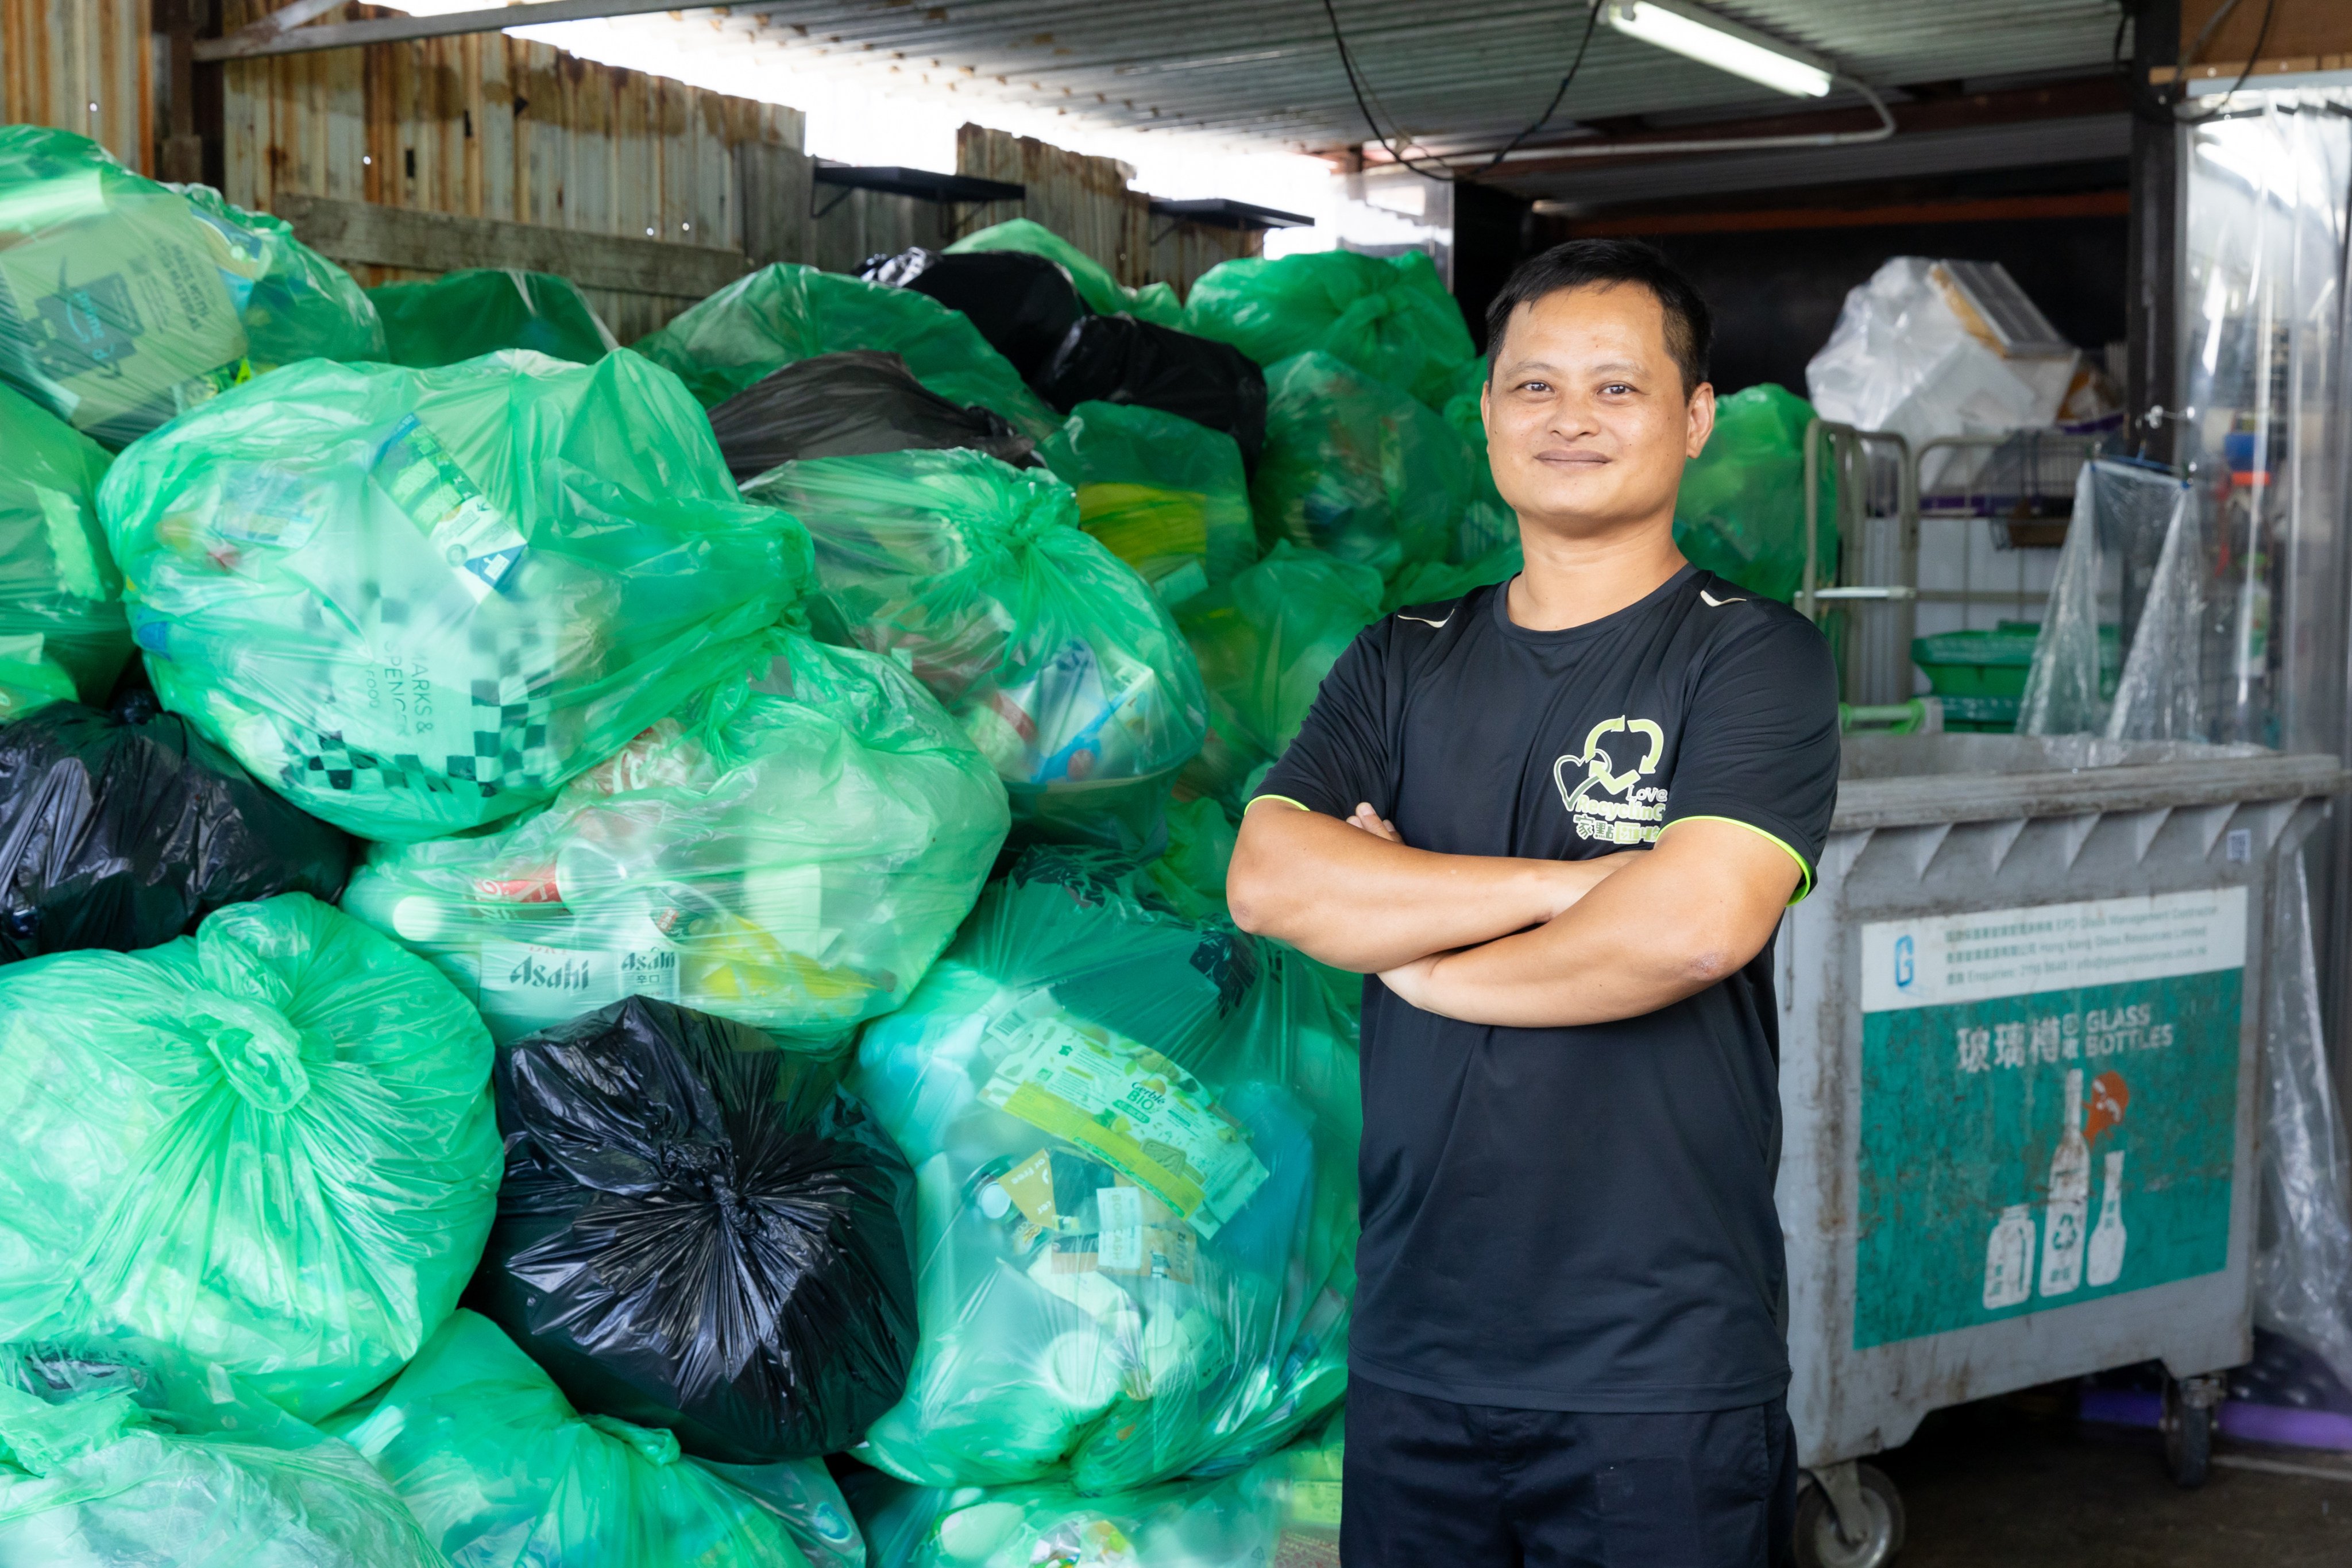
pixel 1354 466
pixel 1266 640
pixel 1103 294
pixel 461 314
pixel 60 595
pixel 787 312
pixel 1163 494
pixel 1390 318
pixel 97 1471
pixel 1134 1140
pixel 1281 1512
pixel 420 601
pixel 503 1472
pixel 1055 656
pixel 791 849
pixel 1741 512
pixel 123 302
pixel 269 1147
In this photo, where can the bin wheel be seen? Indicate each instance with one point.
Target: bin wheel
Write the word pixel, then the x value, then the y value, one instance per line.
pixel 1819 1543
pixel 2188 1425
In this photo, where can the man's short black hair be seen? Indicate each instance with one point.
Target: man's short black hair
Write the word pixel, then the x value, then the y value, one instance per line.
pixel 1600 263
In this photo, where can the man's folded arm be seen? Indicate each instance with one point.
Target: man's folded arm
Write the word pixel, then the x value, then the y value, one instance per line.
pixel 1694 909
pixel 1356 899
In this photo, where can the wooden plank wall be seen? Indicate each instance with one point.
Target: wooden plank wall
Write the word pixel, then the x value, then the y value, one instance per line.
pixel 491 126
pixel 59 58
pixel 1087 201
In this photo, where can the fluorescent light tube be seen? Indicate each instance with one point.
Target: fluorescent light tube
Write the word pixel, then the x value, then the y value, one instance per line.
pixel 1726 46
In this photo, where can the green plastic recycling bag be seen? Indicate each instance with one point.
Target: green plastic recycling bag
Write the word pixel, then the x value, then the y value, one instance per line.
pixel 1163 494
pixel 1357 467
pixel 418 601
pixel 1054 654
pixel 1266 640
pixel 59 586
pixel 1435 582
pixel 123 302
pixel 302 306
pixel 1134 1141
pixel 1388 317
pixel 503 1473
pixel 92 1477
pixel 269 1146
pixel 790 850
pixel 1281 1512
pixel 29 681
pixel 1742 510
pixel 1488 523
pixel 1104 294
pixel 458 315
pixel 787 312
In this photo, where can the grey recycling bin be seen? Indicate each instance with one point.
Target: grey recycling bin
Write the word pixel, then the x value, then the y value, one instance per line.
pixel 2020 1014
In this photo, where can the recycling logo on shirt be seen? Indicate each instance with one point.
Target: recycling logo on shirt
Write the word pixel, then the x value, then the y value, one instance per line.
pixel 1605 805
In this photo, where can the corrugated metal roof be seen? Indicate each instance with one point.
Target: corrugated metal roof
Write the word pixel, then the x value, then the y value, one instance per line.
pixel 1265 70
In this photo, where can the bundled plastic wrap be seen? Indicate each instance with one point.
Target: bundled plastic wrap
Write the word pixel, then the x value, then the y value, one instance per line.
pixel 1163 494
pixel 1023 303
pixel 1053 654
pixel 1354 466
pixel 1134 1140
pixel 268 1146
pixel 121 830
pixel 1266 640
pixel 1281 1512
pixel 701 1234
pixel 1388 317
pixel 790 850
pixel 503 1472
pixel 788 312
pixel 123 302
pixel 460 315
pixel 419 601
pixel 2138 528
pixel 851 404
pixel 1913 353
pixel 1118 359
pixel 92 1474
pixel 59 585
pixel 1102 293
pixel 1741 510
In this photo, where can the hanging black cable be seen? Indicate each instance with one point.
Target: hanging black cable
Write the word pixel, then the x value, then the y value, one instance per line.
pixel 1448 172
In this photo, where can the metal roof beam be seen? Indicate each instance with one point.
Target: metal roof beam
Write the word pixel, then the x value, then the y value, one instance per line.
pixel 261 39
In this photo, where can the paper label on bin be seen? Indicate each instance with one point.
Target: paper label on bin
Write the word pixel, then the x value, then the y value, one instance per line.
pixel 2049 1105
pixel 424 481
pixel 1129 1107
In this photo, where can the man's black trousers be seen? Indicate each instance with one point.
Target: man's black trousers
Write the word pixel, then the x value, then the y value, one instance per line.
pixel 1436 1485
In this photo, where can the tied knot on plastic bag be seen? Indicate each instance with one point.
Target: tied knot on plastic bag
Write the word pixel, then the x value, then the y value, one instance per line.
pixel 260 1052
pixel 652 1443
pixel 707 1171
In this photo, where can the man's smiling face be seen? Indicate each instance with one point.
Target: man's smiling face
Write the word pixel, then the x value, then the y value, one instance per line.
pixel 1588 424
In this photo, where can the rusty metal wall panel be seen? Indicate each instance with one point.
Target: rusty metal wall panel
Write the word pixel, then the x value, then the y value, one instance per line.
pixel 85 66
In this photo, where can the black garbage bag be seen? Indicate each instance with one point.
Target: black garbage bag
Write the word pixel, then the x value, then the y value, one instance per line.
pixel 1023 303
pixel 852 405
pixel 1118 359
pixel 123 829
pixel 700 1232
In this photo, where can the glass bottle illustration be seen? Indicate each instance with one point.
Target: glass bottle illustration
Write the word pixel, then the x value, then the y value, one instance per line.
pixel 2107 1238
pixel 2008 1258
pixel 2069 1203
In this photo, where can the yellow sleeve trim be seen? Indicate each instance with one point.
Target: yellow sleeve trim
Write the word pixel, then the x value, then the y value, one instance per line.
pixel 1283 798
pixel 1804 871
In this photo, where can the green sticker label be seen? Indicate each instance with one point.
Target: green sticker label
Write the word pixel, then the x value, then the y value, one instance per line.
pixel 2049 1107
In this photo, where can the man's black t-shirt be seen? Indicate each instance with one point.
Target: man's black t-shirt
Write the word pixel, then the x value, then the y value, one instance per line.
pixel 1576 1218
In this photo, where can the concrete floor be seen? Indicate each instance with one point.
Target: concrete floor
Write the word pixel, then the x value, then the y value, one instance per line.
pixel 2018 1483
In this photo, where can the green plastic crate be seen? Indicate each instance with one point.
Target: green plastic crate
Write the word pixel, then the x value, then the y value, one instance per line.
pixel 1981 675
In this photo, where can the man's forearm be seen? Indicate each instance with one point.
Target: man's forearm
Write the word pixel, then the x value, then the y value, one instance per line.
pixel 1674 922
pixel 1359 902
